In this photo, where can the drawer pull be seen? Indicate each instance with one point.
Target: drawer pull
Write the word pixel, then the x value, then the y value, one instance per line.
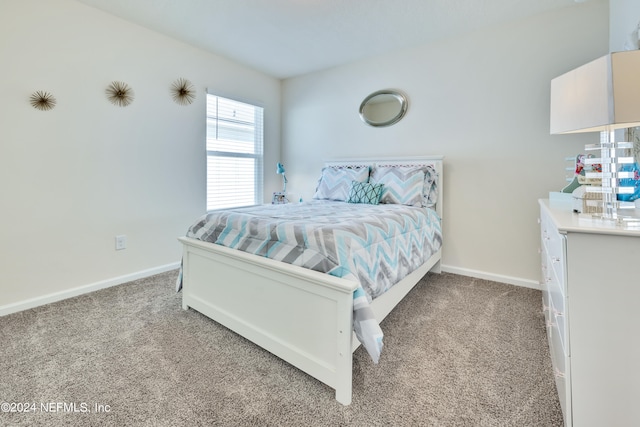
pixel 558 313
pixel 550 324
pixel 555 259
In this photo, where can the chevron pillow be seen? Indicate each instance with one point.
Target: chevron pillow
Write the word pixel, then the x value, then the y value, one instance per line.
pixel 335 182
pixel 365 192
pixel 430 192
pixel 403 185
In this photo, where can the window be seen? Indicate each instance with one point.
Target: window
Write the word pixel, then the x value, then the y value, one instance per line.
pixel 234 153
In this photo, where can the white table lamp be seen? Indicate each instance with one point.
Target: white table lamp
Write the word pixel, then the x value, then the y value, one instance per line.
pixel 603 95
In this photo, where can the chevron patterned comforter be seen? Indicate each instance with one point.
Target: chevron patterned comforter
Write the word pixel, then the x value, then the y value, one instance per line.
pixel 375 245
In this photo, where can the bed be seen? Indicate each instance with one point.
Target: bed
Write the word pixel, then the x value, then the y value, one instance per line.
pixel 305 312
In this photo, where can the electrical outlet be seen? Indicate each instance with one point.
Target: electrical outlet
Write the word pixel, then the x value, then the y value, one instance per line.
pixel 121 242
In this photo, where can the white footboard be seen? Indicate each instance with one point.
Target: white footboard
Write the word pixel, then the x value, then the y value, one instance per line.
pixel 301 316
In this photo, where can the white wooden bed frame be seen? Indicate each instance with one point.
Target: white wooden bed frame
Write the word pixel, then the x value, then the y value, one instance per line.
pixel 300 315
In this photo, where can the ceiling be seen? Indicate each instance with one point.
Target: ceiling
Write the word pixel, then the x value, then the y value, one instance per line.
pixel 286 38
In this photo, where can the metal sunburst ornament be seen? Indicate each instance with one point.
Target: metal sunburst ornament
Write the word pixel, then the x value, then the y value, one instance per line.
pixel 42 100
pixel 183 92
pixel 120 94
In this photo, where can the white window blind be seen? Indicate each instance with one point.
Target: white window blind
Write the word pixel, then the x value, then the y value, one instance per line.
pixel 234 153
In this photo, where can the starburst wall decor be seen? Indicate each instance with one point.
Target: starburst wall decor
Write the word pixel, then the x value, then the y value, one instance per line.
pixel 42 100
pixel 120 94
pixel 183 92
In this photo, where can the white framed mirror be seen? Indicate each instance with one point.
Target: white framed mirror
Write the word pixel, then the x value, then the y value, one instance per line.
pixel 383 108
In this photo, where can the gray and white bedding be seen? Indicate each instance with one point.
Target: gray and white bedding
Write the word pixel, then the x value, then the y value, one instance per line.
pixel 374 245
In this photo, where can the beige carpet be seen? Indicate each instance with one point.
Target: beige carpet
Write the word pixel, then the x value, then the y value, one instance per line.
pixel 458 352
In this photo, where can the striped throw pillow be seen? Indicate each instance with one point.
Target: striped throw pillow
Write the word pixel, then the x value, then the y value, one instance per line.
pixel 335 182
pixel 403 185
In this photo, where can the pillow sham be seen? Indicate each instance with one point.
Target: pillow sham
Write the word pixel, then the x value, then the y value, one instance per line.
pixel 365 192
pixel 403 185
pixel 430 192
pixel 335 182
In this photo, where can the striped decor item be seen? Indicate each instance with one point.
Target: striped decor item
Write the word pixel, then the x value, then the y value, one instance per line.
pixel 335 182
pixel 403 185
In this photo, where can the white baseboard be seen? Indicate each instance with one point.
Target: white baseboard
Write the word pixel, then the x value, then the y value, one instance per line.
pixel 490 276
pixel 70 293
pixel 85 289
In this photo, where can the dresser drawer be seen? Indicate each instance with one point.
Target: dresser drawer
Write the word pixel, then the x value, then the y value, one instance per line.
pixel 544 283
pixel 560 322
pixel 549 233
pixel 558 310
pixel 546 310
pixel 553 244
pixel 556 292
pixel 556 263
pixel 561 371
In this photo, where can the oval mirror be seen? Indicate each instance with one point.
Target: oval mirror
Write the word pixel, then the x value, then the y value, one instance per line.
pixel 383 108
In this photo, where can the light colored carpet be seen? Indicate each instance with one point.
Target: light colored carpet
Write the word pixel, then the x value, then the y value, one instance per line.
pixel 458 352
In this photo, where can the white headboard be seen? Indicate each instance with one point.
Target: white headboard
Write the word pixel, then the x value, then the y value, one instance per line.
pixel 435 161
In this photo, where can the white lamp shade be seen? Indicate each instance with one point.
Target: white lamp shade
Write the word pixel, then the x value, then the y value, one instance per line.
pixel 601 95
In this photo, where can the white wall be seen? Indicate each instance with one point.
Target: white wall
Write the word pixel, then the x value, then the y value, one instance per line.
pixel 624 19
pixel 74 177
pixel 482 100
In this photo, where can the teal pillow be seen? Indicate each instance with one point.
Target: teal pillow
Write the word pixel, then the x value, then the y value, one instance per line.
pixel 365 192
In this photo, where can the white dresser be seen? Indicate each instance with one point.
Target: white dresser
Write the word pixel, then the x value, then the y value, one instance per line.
pixel 591 301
